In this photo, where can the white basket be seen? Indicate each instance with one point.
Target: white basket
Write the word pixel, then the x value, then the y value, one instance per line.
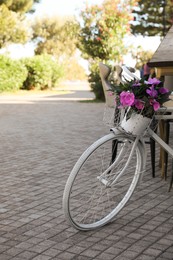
pixel 137 124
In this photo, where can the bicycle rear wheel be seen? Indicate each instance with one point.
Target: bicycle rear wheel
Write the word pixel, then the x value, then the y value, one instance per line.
pixel 102 181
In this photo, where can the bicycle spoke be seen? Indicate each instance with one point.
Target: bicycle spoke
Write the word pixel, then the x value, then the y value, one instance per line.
pixel 91 201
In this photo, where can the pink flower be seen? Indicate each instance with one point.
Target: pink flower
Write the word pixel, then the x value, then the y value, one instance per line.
pixel 153 81
pixel 139 104
pixel 127 98
pixel 110 93
pixel 163 90
pixel 155 104
pixel 98 39
pixel 152 92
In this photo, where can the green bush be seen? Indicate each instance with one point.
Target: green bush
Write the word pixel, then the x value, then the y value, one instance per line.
pixel 43 72
pixel 12 74
pixel 95 82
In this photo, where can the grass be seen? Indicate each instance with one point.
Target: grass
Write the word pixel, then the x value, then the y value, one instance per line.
pixel 92 101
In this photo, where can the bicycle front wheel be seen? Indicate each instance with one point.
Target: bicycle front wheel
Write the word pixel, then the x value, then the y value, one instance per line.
pixel 102 181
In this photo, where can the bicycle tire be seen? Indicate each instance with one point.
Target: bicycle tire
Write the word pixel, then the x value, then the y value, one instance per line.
pixel 87 202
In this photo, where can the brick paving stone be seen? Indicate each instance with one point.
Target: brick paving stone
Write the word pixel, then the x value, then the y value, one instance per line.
pixel 152 252
pixel 135 235
pixel 42 257
pixel 76 249
pixel 160 246
pixel 80 257
pixel 14 251
pixel 90 253
pixel 4 248
pixel 136 248
pixel 27 255
pixel 62 246
pixel 40 142
pixel 65 256
pixel 5 257
pixel 164 241
pixel 145 257
pixel 100 247
pixel 16 258
pixel 122 245
pixel 106 256
pixel 128 254
pixel 166 255
pixel 52 252
pixel 114 250
pixel 170 249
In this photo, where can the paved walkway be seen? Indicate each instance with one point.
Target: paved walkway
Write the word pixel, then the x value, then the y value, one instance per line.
pixel 40 142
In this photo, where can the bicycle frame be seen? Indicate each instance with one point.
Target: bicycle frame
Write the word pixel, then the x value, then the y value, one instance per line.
pixel 164 145
pixel 154 136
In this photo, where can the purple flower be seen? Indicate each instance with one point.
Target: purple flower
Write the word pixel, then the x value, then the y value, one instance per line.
pixel 136 84
pixel 127 98
pixel 153 81
pixel 152 92
pixel 139 104
pixel 155 104
pixel 163 90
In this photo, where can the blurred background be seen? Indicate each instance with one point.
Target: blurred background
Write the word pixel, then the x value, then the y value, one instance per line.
pixel 45 43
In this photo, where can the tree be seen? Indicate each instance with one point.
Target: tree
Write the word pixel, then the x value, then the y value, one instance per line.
pixel 141 56
pixel 103 29
pixel 19 6
pixel 13 25
pixel 73 70
pixel 55 36
pixel 152 17
pixel 101 36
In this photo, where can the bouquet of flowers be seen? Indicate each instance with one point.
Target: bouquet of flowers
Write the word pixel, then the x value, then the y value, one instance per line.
pixel 141 96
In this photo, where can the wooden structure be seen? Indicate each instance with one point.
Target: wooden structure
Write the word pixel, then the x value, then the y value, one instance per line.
pixel 162 60
pixel 162 64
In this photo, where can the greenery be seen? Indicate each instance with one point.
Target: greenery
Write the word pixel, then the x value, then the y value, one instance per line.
pixel 73 70
pixel 152 17
pixel 141 56
pixel 103 29
pixel 21 6
pixel 101 36
pixel 14 27
pixel 95 81
pixel 43 72
pixel 39 72
pixel 55 36
pixel 13 74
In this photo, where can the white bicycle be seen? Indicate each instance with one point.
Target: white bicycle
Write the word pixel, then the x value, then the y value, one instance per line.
pixel 105 177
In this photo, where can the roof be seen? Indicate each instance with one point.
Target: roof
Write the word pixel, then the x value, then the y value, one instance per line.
pixel 163 57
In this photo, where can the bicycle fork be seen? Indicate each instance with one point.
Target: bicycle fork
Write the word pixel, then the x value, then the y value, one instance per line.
pixel 103 177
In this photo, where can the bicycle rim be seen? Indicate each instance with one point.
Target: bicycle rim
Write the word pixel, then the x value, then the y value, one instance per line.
pixel 91 199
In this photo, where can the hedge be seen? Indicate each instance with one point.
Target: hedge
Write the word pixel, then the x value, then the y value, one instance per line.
pixel 43 72
pixel 12 74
